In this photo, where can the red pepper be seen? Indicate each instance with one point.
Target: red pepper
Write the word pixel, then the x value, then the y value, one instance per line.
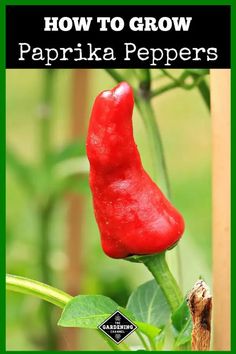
pixel 133 215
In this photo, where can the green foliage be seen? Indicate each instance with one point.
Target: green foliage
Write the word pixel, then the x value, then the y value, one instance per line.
pixel 87 311
pixel 149 330
pixel 70 166
pixel 182 324
pixel 199 72
pixel 71 150
pixel 185 335
pixel 22 171
pixel 160 341
pixel 149 305
pixel 67 171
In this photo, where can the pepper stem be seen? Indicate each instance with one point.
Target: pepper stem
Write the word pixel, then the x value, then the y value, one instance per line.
pixel 158 266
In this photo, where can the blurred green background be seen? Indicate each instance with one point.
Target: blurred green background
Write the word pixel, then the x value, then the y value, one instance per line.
pixel 185 126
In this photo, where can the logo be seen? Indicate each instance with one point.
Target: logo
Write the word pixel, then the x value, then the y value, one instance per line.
pixel 117 327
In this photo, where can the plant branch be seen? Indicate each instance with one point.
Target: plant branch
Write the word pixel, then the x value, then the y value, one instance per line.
pixel 203 88
pixel 164 89
pixel 38 289
pixel 46 204
pixel 181 80
pixel 158 266
pixel 142 340
pixel 45 116
pixel 152 344
pixel 170 76
pixel 156 146
pixel 21 170
pixel 111 344
pixel 125 346
pixel 198 81
pixel 144 79
pixel 47 293
pixel 115 75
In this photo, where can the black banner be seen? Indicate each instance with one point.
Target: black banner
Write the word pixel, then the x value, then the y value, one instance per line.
pixel 118 36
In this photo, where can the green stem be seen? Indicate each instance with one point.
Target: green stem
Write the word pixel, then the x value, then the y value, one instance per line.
pixel 152 344
pixel 158 77
pixel 142 340
pixel 158 266
pixel 183 347
pixel 181 83
pixel 144 79
pixel 45 204
pixel 175 82
pixel 115 75
pixel 160 172
pixel 163 89
pixel 157 150
pixel 205 92
pixel 125 346
pixel 178 258
pixel 38 289
pixel 45 213
pixel 45 117
pixel 44 223
pixel 181 80
pixel 47 293
pixel 111 344
pixel 170 76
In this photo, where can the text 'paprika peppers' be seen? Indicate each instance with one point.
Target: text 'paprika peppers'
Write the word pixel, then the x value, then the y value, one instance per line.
pixel 133 215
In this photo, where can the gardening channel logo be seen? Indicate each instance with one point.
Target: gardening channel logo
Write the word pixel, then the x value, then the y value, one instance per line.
pixel 117 327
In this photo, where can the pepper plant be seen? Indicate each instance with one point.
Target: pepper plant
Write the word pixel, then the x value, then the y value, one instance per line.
pixel 157 307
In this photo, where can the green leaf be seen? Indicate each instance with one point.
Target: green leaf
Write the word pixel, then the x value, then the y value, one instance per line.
pixel 73 149
pixel 22 171
pixel 160 341
pixel 182 324
pixel 199 72
pixel 148 305
pixel 148 329
pixel 180 316
pixel 87 311
pixel 72 167
pixel 185 335
pixel 75 184
pixel 127 313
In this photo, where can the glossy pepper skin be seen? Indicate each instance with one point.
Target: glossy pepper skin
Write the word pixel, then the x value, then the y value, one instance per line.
pixel 133 215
